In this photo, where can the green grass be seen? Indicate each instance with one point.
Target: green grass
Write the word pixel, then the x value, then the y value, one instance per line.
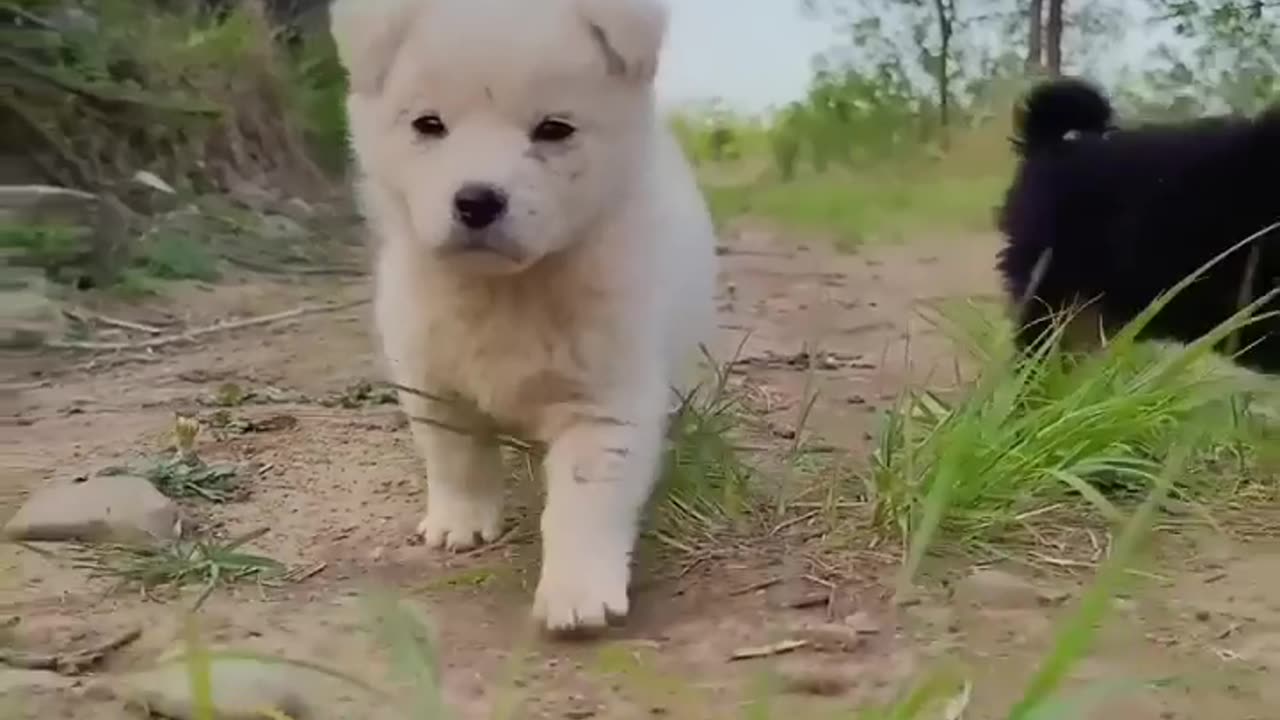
pixel 1050 431
pixel 706 488
pixel 859 208
pixel 205 563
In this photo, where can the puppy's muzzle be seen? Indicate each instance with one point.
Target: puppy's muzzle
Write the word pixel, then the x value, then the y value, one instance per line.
pixel 476 206
pixel 478 211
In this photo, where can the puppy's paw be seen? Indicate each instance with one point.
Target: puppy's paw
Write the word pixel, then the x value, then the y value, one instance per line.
pixel 581 599
pixel 461 525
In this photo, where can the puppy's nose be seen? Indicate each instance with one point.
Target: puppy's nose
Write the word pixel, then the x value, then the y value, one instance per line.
pixel 477 205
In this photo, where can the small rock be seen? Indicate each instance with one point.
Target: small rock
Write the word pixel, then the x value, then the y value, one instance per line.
pixel 832 637
pixel 30 317
pixel 241 690
pixel 115 508
pixel 299 208
pixel 814 678
pixel 46 205
pixel 997 589
pixel 253 196
pixel 282 227
pixel 153 181
pixel 862 623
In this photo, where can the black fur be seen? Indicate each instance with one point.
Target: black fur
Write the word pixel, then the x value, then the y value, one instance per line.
pixel 1125 214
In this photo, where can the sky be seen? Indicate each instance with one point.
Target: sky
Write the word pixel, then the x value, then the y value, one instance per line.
pixel 751 53
pixel 754 54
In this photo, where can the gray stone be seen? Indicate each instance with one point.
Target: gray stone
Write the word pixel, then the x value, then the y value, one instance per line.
pixel 46 204
pixel 241 689
pixel 116 508
pixel 104 222
pixel 282 227
pixel 28 316
pixel 999 590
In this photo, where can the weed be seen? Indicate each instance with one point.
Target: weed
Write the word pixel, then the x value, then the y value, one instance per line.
pixel 181 564
pixel 183 474
pixel 361 394
pixel 705 487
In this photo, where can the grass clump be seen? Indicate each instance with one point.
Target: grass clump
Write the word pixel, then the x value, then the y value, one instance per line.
pixel 705 489
pixel 172 567
pixel 1037 435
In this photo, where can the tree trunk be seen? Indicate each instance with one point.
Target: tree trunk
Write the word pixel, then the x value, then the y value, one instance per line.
pixel 945 10
pixel 1053 38
pixel 1035 37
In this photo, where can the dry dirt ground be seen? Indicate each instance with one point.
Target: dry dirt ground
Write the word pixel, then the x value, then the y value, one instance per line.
pixel 339 494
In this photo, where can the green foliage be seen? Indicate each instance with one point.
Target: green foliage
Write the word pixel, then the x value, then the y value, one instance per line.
pixel 48 247
pixel 319 86
pixel 114 86
pixel 174 256
pixel 855 208
pixel 1234 57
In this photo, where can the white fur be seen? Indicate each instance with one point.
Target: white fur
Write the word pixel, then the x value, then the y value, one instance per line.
pixel 576 338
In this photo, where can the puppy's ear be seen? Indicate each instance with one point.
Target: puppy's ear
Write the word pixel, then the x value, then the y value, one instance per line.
pixel 629 34
pixel 368 34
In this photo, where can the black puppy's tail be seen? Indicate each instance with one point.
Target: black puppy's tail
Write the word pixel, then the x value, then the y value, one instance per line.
pixel 1054 108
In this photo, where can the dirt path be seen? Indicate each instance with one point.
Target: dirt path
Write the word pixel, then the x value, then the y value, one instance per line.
pixel 340 492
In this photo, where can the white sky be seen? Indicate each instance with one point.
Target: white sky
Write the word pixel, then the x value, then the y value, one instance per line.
pixel 757 53
pixel 751 53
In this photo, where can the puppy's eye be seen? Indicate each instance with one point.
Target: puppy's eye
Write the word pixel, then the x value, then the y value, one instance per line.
pixel 430 126
pixel 552 130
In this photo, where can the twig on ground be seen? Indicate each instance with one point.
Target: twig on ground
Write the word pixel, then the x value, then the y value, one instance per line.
pixel 284 269
pixel 86 317
pixel 192 335
pixel 298 574
pixel 71 662
pixel 753 587
pixel 778 648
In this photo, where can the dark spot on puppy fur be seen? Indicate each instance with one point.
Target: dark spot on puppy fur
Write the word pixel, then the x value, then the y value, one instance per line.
pixel 613 62
pixel 544 152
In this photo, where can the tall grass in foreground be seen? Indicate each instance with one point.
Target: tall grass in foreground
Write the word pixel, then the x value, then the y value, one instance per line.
pixel 1043 432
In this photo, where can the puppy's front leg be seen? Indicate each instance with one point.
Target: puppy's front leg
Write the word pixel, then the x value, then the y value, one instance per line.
pixel 464 475
pixel 599 474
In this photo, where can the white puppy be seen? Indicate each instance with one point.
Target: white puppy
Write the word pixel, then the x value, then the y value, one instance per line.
pixel 545 260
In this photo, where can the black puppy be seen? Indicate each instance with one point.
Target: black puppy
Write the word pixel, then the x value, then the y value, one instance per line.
pixel 1109 218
